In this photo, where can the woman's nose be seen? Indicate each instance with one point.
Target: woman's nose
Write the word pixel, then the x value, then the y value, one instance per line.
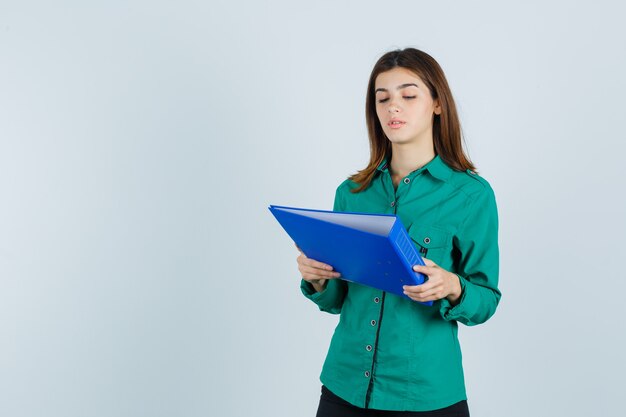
pixel 393 106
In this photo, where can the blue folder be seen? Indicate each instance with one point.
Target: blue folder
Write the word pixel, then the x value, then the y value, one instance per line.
pixel 370 249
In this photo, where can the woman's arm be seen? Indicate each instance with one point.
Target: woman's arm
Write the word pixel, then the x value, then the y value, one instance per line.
pixel 471 295
pixel 478 266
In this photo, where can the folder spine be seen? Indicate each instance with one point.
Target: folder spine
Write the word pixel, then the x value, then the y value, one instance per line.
pixel 405 247
pixel 407 252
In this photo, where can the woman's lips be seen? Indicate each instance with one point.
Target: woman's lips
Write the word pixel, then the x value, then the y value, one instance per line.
pixel 396 124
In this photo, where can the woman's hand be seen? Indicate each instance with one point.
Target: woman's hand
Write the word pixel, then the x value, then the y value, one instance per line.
pixel 317 273
pixel 440 284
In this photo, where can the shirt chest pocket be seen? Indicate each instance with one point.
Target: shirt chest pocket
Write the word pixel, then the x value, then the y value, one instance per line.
pixel 431 242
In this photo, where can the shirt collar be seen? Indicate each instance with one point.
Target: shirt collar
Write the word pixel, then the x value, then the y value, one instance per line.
pixel 436 167
pixel 383 165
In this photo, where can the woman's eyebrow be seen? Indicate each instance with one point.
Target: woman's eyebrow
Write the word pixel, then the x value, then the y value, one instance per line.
pixel 401 86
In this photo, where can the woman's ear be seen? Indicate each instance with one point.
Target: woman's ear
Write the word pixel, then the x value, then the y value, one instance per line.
pixel 437 109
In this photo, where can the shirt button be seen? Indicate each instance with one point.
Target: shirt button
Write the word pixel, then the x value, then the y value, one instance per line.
pixel 368 348
pixel 427 240
pixel 376 300
pixel 407 180
pixel 367 374
pixel 373 322
pixel 393 203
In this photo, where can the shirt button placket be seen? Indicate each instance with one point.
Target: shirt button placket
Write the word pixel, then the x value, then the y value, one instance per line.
pixel 370 348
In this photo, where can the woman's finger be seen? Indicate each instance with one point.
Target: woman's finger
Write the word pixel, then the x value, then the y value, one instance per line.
pixel 303 260
pixel 423 297
pixel 432 282
pixel 427 270
pixel 413 289
pixel 428 262
pixel 430 286
pixel 433 294
pixel 320 265
pixel 314 273
pixel 417 297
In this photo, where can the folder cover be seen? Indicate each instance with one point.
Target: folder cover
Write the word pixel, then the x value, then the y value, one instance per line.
pixel 370 249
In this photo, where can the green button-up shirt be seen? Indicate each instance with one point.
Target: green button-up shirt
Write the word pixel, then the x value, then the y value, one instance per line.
pixel 389 352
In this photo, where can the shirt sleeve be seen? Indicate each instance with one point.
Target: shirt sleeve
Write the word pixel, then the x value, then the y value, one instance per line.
pixel 331 298
pixel 478 266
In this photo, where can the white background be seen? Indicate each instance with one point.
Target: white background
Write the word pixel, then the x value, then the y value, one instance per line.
pixel 141 142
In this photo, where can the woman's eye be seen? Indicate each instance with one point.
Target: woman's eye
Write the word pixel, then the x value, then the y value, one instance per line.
pixel 383 100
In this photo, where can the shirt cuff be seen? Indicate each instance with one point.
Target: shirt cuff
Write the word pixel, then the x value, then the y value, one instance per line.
pixel 325 298
pixel 463 308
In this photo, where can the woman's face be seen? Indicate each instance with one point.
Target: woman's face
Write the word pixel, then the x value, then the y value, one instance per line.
pixel 404 106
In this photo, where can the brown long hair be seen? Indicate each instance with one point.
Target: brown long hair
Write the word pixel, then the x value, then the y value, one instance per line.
pixel 447 137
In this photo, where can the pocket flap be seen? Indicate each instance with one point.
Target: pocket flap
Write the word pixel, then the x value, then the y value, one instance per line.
pixel 428 236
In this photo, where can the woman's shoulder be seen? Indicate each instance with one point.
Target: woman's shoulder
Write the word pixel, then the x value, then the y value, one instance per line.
pixel 343 194
pixel 471 183
pixel 346 185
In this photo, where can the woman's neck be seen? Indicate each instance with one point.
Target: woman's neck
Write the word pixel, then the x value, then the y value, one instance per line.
pixel 406 158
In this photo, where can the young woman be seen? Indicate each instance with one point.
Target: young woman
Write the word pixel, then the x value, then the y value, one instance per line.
pixel 389 352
